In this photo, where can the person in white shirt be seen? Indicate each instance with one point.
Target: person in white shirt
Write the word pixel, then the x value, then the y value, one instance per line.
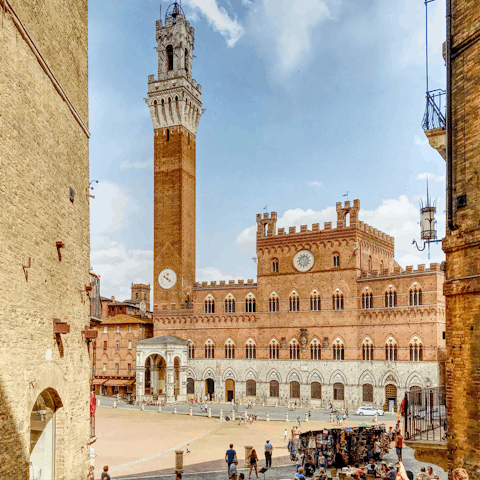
pixel 285 435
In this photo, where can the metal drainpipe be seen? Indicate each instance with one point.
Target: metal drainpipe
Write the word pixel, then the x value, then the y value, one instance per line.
pixel 450 222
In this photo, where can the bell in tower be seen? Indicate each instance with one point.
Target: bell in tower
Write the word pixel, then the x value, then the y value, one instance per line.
pixel 174 101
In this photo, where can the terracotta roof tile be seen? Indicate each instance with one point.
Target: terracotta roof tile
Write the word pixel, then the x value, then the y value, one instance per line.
pixel 124 319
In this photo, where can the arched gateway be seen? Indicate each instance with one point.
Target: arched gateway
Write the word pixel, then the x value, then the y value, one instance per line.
pixel 162 368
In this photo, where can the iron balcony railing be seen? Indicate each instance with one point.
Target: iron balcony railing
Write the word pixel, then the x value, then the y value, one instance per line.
pixel 434 116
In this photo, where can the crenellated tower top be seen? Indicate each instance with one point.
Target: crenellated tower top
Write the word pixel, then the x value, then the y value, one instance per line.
pixel 175 98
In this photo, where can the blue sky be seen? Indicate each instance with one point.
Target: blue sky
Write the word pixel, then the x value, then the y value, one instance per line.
pixel 304 102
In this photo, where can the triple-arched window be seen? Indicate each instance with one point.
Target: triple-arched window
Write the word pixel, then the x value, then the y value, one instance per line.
pixel 367 350
pixel 250 350
pixel 230 304
pixel 367 300
pixel 416 350
pixel 315 350
pixel 294 302
pixel 229 349
pixel 391 350
pixel 209 349
pixel 273 303
pixel 415 297
pixel 391 299
pixel 209 304
pixel 315 301
pixel 337 301
pixel 250 303
pixel 338 350
pixel 274 349
pixel 294 350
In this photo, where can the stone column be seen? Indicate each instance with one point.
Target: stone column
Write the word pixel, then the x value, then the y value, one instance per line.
pixel 178 461
pixel 267 417
pixel 248 451
pixel 221 415
pixel 170 384
pixel 140 382
pixel 190 411
pixel 286 417
pixel 182 381
pixel 154 379
pixel 306 417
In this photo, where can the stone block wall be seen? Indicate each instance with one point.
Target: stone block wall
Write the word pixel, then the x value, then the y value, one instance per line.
pixel 44 153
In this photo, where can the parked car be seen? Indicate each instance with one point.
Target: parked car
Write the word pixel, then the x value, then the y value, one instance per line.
pixel 369 411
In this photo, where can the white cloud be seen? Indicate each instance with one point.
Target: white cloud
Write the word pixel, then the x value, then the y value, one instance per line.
pixel 126 164
pixel 315 183
pixel 208 274
pixel 107 209
pixel 219 20
pixel 397 217
pixel 431 177
pixel 119 267
pixel 288 26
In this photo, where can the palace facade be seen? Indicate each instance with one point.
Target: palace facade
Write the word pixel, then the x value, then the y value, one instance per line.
pixel 332 316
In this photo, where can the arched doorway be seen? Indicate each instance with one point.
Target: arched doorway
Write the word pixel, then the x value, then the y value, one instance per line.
pixel 294 390
pixel 42 434
pixel 190 388
pixel 230 390
pixel 209 388
pixel 391 396
pixel 155 368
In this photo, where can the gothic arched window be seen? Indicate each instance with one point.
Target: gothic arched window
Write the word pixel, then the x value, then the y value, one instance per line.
pixel 274 349
pixel 250 350
pixel 416 350
pixel 315 301
pixel 391 350
pixel 273 303
pixel 209 349
pixel 209 304
pixel 315 350
pixel 230 304
pixel 367 350
pixel 250 303
pixel 229 349
pixel 338 350
pixel 294 302
pixel 294 350
pixel 415 297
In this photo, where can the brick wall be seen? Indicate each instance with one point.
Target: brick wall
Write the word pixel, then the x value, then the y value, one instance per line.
pixel 462 246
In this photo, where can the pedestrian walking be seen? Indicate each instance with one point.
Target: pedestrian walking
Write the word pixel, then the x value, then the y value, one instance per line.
pixel 105 475
pixel 285 435
pixel 232 470
pixel 399 444
pixel 346 413
pixel 253 463
pixel 188 449
pixel 230 457
pixel 268 454
pixel 309 415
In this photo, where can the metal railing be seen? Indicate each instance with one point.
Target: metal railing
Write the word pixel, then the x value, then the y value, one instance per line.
pixel 434 116
pixel 426 414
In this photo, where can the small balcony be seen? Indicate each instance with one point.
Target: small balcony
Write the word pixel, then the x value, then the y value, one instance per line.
pixel 434 122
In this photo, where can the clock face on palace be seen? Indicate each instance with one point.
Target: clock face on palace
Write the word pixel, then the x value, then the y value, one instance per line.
pixel 303 260
pixel 167 278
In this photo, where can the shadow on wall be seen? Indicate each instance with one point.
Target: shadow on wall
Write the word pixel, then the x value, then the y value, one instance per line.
pixel 14 465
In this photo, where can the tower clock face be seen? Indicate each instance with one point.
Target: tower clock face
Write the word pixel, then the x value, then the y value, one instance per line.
pixel 303 260
pixel 167 278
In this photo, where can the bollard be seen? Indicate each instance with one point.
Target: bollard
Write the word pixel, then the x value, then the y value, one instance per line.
pixel 175 410
pixel 191 411
pixel 306 417
pixel 276 403
pixel 159 408
pixel 114 404
pixel 209 413
pixel 267 417
pixel 221 415
pixel 233 415
pixel 263 404
pixel 178 461
pixel 286 417
pixel 98 402
pixel 248 451
pixel 142 407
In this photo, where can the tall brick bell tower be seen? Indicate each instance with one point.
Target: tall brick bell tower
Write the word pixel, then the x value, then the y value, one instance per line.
pixel 174 101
